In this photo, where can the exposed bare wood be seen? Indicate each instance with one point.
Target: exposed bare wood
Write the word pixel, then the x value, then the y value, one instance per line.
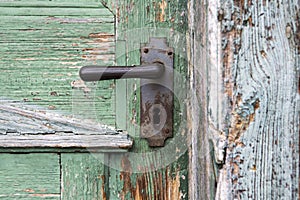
pixel 244 71
pixel 260 79
pixel 25 126
pixel 22 118
pixel 204 94
pixel 88 142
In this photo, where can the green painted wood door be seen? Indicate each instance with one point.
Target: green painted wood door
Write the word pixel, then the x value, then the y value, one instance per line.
pixel 42 46
pixel 144 172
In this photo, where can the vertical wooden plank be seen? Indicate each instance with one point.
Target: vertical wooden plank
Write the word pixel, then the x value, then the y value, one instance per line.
pixel 83 176
pixel 129 182
pixel 29 176
pixel 146 173
pixel 244 69
pixel 203 104
pixel 261 79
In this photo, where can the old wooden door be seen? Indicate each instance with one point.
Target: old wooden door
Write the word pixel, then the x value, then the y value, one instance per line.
pixel 58 133
pixel 236 100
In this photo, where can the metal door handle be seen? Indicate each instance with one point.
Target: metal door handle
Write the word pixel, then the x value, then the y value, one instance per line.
pixel 98 73
pixel 156 90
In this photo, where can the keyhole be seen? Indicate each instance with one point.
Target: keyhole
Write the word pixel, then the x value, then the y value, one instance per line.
pixel 156 116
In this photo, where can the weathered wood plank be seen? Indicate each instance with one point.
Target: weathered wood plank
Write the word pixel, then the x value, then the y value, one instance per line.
pixel 245 74
pixel 25 119
pixel 146 173
pixel 119 142
pixel 204 107
pixel 260 48
pixel 23 126
pixel 42 46
pixel 29 176
pixel 46 11
pixel 53 3
pixel 147 177
pixel 32 197
pixel 84 176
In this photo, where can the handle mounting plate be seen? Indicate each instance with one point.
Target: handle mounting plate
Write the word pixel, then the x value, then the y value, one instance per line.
pixel 157 94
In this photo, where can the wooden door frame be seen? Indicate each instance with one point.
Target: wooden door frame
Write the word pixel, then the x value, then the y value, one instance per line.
pixel 206 106
pixel 222 138
pixel 245 140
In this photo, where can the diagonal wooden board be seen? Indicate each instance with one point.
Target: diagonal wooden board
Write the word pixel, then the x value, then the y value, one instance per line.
pixel 38 130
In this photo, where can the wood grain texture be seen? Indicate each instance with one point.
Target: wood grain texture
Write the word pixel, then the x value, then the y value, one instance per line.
pixel 152 180
pixel 29 176
pixel 84 177
pixel 80 142
pixel 20 118
pixel 26 128
pixel 260 76
pixel 43 45
pixel 143 172
pixel 203 103
pixel 245 71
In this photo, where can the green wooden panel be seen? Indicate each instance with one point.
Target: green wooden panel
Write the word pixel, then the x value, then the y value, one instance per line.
pixel 53 3
pixel 29 176
pixel 83 177
pixel 144 173
pixel 42 46
pixel 149 182
pixel 38 9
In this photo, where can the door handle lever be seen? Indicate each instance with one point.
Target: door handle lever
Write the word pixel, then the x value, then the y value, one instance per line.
pixel 98 73
pixel 156 90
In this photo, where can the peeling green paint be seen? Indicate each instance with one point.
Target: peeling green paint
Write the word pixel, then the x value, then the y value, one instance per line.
pixel 135 177
pixel 42 47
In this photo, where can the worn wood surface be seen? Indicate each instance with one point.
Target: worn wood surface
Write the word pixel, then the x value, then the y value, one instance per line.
pixel 251 98
pixel 31 129
pixel 84 177
pixel 29 176
pixel 143 172
pixel 42 46
pixel 245 71
pixel 203 101
pixel 22 118
pixel 81 142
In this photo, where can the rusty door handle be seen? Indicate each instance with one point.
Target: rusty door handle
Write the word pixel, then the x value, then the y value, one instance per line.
pixel 156 88
pixel 98 73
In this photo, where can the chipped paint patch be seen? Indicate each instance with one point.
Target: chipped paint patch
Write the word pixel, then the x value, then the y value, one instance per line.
pixel 101 35
pixel 125 176
pixel 162 184
pixel 162 14
pixel 242 116
pixel 103 187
